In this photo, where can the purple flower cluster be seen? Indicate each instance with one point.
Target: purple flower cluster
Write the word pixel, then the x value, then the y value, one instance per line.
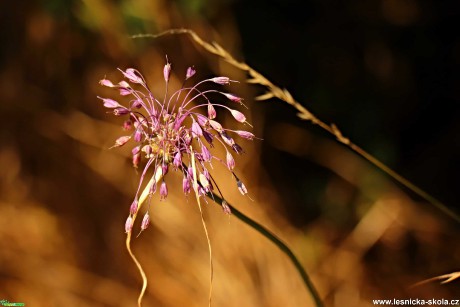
pixel 167 132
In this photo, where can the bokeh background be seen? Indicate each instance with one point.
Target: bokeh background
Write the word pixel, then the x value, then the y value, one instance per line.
pixel 385 71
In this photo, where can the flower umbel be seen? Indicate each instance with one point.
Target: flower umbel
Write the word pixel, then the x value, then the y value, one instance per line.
pixel 168 132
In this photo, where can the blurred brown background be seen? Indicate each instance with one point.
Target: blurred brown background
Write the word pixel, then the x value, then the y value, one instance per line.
pixel 386 72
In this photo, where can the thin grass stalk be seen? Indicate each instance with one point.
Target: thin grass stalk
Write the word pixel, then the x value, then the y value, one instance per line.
pixel 274 91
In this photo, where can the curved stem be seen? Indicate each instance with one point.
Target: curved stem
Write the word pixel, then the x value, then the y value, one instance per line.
pixel 280 244
pixel 139 267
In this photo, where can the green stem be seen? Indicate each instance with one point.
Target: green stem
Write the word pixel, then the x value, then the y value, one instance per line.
pixel 281 245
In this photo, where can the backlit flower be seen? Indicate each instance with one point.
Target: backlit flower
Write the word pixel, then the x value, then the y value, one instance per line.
pixel 169 131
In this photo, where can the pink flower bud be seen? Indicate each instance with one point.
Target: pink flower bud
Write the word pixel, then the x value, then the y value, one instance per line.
pixel 226 207
pixel 216 126
pixel 201 191
pixel 211 111
pixel 121 141
pixel 127 125
pixel 227 139
pixel 245 134
pixel 105 82
pixel 163 191
pixel 238 116
pixel 136 152
pixel 129 224
pixel 138 135
pixel 206 154
pixel 186 185
pixel 132 76
pixel 134 206
pixel 190 73
pixel 153 188
pixel 233 98
pixel 109 103
pixel 125 88
pixel 145 221
pixel 196 130
pixel 221 80
pixel 136 159
pixel 230 161
pixel 177 162
pixel 202 120
pixel 241 187
pixel 124 91
pixel 164 169
pixel 167 71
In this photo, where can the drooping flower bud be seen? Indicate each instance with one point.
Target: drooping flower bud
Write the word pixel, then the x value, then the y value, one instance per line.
pixel 129 224
pixel 177 161
pixel 233 98
pixel 121 141
pixel 238 116
pixel 124 84
pixel 153 188
pixel 227 139
pixel 186 185
pixel 211 111
pixel 190 72
pixel 125 91
pixel 105 82
pixel 241 187
pixel 136 159
pixel 164 169
pixel 136 149
pixel 145 221
pixel 136 152
pixel 202 120
pixel 125 88
pixel 226 207
pixel 221 80
pixel 205 153
pixel 245 134
pixel 216 126
pixel 134 206
pixel 163 190
pixel 196 130
pixel 109 103
pixel 201 191
pixel 230 161
pixel 137 133
pixel 127 125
